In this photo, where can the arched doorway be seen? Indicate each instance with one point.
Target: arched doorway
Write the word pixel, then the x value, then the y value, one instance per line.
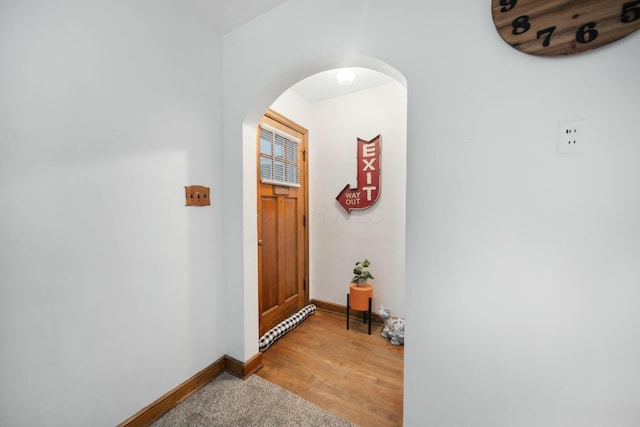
pixel 338 239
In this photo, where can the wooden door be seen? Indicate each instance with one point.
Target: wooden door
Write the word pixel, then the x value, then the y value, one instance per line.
pixel 282 212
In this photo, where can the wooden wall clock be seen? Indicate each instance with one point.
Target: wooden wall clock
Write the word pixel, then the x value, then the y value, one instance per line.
pixel 564 27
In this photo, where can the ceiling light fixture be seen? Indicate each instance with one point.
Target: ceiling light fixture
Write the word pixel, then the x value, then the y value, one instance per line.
pixel 345 76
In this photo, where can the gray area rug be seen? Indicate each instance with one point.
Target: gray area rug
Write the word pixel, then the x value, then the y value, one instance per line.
pixel 228 401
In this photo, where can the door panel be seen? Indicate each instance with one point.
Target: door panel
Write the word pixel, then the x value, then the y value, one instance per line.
pixel 269 251
pixel 290 245
pixel 282 231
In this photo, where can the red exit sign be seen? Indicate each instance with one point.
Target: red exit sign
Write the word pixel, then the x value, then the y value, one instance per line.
pixel 368 189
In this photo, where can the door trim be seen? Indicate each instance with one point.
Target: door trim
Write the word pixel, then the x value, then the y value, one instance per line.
pixel 274 115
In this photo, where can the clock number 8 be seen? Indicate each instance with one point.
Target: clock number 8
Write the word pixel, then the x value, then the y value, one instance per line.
pixel 587 33
pixel 520 25
pixel 630 11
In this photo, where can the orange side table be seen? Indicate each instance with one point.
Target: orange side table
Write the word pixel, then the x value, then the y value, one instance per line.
pixel 359 298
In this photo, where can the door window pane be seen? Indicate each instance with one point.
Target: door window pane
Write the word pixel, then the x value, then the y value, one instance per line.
pixel 265 145
pixel 279 161
pixel 265 168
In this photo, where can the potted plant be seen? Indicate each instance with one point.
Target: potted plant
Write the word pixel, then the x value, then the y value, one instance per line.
pixel 361 274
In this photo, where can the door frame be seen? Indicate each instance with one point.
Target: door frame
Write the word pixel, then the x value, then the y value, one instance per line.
pixel 304 171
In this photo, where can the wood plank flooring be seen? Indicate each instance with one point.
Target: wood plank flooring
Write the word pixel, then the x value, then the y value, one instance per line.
pixel 348 372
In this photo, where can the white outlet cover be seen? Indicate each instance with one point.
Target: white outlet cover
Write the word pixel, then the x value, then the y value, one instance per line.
pixel 571 136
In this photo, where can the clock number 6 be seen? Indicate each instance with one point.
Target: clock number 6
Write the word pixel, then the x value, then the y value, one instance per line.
pixel 587 33
pixel 630 11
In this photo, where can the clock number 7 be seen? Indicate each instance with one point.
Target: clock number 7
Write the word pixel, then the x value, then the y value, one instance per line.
pixel 548 32
pixel 630 11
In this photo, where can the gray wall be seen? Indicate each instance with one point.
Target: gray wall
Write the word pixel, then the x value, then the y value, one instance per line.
pixel 109 285
pixel 522 264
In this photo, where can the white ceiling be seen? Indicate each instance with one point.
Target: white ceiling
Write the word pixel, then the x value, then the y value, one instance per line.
pixel 324 85
pixel 227 15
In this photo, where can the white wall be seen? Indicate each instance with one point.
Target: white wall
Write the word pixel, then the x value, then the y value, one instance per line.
pixel 338 239
pixel 525 308
pixel 110 288
pixel 522 264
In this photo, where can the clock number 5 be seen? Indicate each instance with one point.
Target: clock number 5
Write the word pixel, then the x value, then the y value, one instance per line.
pixel 630 11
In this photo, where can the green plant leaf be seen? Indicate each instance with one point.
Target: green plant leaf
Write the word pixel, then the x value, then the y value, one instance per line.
pixel 360 272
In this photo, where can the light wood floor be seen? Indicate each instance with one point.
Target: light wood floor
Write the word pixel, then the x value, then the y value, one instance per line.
pixel 357 376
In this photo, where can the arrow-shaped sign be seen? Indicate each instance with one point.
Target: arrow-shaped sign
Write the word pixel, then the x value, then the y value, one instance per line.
pixel 368 190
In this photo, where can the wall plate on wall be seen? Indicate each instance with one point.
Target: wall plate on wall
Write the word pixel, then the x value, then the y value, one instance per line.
pixel 197 195
pixel 564 27
pixel 571 136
